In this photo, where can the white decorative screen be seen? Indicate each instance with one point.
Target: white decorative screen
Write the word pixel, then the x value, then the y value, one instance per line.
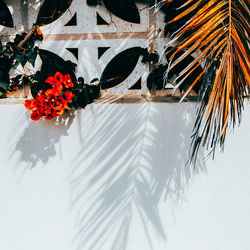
pixel 97 40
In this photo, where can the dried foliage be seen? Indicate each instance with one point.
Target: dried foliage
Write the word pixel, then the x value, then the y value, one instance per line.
pixel 20 51
pixel 51 11
pixel 5 15
pixel 23 50
pixel 84 94
pixel 218 32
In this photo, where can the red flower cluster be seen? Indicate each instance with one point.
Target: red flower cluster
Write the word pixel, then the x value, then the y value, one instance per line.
pixel 52 102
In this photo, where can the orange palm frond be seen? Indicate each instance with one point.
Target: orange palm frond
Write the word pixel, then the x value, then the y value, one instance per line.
pixel 219 32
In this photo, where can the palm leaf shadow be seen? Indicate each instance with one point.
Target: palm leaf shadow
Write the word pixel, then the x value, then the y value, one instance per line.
pixel 118 175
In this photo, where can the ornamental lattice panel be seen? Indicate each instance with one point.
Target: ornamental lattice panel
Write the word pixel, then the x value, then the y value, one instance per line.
pixel 96 40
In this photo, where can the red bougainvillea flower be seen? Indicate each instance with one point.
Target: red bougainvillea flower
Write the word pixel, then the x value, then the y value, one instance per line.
pixel 51 80
pixel 69 96
pixel 29 104
pixel 59 77
pixel 52 102
pixel 35 115
pixel 56 90
pixel 38 31
pixel 68 82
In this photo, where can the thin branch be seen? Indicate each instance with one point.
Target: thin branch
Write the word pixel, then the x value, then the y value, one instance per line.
pixel 27 37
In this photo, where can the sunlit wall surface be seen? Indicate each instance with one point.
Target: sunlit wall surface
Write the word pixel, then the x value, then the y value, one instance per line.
pixel 115 177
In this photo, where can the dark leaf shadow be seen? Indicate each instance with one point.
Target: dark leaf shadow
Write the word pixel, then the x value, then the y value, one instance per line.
pixel 124 9
pixel 5 15
pixel 120 67
pixel 134 159
pixel 38 141
pixel 51 11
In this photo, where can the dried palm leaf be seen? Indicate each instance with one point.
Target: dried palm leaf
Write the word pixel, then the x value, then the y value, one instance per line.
pixel 219 32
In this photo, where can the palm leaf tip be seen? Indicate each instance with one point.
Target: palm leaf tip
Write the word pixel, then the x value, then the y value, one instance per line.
pixel 218 32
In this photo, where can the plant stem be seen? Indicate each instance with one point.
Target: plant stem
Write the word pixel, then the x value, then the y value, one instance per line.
pixel 230 20
pixel 27 37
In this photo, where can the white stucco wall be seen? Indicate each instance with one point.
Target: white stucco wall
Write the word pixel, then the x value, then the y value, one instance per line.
pixel 115 179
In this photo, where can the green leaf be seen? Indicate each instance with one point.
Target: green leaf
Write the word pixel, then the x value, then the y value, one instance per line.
pixel 22 59
pixel 32 56
pixel 2 94
pixel 4 85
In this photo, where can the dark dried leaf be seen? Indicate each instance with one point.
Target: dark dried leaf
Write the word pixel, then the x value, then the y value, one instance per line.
pixel 124 9
pixel 5 15
pixel 52 10
pixel 120 67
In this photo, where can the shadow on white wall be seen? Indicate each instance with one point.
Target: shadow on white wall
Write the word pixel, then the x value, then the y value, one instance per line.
pixel 116 178
pixel 38 141
pixel 132 159
pixel 128 160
